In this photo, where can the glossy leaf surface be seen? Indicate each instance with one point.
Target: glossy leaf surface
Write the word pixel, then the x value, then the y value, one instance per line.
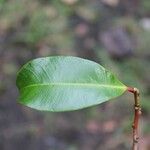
pixel 63 83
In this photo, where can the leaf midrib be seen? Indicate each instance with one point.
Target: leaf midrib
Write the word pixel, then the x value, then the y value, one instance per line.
pixel 77 84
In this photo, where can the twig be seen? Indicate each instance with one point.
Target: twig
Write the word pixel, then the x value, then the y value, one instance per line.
pixel 137 113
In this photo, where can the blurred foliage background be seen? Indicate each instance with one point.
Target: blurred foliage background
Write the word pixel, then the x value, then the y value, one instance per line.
pixel 114 33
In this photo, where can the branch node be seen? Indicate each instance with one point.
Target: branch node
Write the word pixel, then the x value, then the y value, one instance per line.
pixel 136 140
pixel 136 108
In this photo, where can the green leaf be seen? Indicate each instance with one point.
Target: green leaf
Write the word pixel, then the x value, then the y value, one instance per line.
pixel 63 83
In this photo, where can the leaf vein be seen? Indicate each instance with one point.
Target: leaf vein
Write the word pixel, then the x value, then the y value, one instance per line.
pixel 78 84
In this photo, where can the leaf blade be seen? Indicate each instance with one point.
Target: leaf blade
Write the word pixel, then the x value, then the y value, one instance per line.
pixel 92 86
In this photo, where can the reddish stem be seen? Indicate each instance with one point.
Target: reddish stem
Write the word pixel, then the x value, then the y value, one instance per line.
pixel 137 113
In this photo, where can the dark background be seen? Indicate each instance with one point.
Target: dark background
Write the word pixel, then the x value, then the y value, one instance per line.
pixel 114 33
